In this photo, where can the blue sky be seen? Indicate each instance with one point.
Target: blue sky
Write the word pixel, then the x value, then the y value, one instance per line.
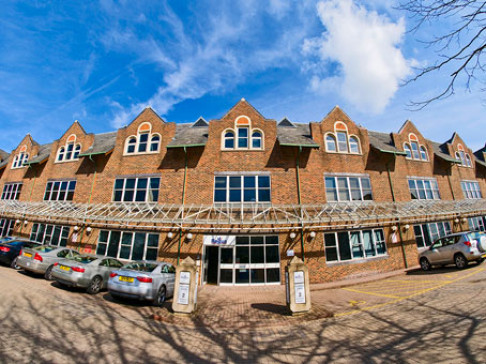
pixel 102 62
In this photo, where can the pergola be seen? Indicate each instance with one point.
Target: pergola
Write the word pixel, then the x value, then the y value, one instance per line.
pixel 231 216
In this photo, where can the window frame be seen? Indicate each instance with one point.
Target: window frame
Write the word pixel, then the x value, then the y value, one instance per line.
pixel 105 245
pixel 19 160
pixel 349 188
pixel 136 189
pixel 11 190
pixel 471 189
pixel 67 192
pixel 440 232
pixel 137 145
pixel 237 138
pixel 229 189
pixel 48 232
pixel 424 181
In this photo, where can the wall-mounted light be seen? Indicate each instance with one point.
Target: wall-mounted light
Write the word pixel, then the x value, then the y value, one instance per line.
pixel 76 228
pixel 406 227
pixel 292 235
pixel 456 220
pixel 464 219
pixel 170 234
pixel 25 222
pixel 312 234
pixel 394 228
pixel 17 221
pixel 88 230
pixel 189 236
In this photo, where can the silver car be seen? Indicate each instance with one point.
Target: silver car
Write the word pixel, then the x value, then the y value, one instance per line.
pixel 147 280
pixel 458 249
pixel 41 259
pixel 85 271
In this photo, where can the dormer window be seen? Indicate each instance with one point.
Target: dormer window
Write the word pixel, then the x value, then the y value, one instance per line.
pixel 415 150
pixel 70 151
pixel 21 158
pixel 246 137
pixel 341 142
pixel 463 157
pixel 144 142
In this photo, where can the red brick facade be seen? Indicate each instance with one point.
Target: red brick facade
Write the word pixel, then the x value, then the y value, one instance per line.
pixel 95 175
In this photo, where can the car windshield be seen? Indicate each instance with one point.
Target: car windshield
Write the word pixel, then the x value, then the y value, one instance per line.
pixel 85 259
pixel 44 248
pixel 142 267
pixel 15 242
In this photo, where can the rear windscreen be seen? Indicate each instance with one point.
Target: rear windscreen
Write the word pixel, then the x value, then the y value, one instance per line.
pixel 44 248
pixel 84 259
pixel 142 267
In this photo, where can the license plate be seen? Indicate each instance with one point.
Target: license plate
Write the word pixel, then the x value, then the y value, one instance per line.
pixel 126 279
pixel 28 255
pixel 63 267
pixel 483 256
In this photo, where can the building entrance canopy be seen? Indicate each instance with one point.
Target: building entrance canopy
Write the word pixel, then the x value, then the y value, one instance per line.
pixel 229 216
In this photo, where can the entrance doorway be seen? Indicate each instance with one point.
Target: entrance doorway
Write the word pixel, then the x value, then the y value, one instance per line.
pixel 211 264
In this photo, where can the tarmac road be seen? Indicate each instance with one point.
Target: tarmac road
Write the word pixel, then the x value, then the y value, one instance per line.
pixel 411 318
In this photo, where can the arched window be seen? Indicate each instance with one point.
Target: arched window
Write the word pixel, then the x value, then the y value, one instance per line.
pixel 423 153
pixel 60 155
pixel 76 151
pixel 331 143
pixel 229 140
pixel 354 145
pixel 468 161
pixel 20 159
pixel 408 150
pixel 155 143
pixel 131 143
pixel 256 140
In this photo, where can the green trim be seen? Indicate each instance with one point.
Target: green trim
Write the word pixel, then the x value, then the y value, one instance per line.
pixel 299 145
pixel 388 151
pixel 96 153
pixel 39 162
pixel 186 145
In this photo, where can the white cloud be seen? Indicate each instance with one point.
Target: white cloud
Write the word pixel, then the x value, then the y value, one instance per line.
pixel 361 48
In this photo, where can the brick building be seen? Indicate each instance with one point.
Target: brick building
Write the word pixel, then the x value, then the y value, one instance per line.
pixel 242 194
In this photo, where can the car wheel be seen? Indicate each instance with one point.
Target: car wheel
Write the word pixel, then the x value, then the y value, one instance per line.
pixel 460 261
pixel 161 296
pixel 425 264
pixel 14 264
pixel 48 273
pixel 95 285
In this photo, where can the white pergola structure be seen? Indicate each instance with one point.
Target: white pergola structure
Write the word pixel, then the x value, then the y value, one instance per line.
pixel 231 216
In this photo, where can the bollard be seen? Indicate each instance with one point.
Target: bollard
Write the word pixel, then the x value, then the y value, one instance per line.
pixel 297 286
pixel 185 289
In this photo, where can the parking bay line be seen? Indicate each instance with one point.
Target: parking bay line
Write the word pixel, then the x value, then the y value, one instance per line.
pixel 369 308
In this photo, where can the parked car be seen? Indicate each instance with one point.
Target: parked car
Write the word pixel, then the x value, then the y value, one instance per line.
pixel 10 250
pixel 41 259
pixel 146 280
pixel 87 271
pixel 4 239
pixel 459 249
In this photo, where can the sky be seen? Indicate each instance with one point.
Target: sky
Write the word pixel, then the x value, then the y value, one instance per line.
pixel 102 62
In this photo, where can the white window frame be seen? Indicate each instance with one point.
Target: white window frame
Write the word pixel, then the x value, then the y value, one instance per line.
pixel 11 190
pixel 446 228
pixel 418 154
pixel 242 188
pixel 48 232
pixel 146 247
pixel 339 146
pixel 337 176
pixel 6 227
pixel 471 189
pixel 249 138
pixel 476 223
pixel 54 196
pixel 148 189
pixel 375 242
pixel 19 160
pixel 424 180
pixel 149 134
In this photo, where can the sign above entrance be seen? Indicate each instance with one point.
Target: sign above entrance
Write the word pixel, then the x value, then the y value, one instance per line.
pixel 219 240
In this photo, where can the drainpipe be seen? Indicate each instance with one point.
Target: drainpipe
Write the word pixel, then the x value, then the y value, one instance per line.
pixel 183 198
pixel 399 227
pixel 297 170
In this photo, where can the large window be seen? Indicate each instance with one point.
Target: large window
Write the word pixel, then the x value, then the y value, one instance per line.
pixel 471 189
pixel 463 157
pixel 6 227
pixel 252 260
pixel 70 151
pixel 423 189
pixel 426 234
pixel 356 244
pixel 20 159
pixel 50 234
pixel 11 191
pixel 242 136
pixel 246 188
pixel 341 142
pixel 139 189
pixel 144 142
pixel 128 245
pixel 60 191
pixel 415 150
pixel 477 223
pixel 348 188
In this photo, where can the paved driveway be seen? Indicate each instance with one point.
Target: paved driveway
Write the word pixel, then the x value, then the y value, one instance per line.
pixel 415 317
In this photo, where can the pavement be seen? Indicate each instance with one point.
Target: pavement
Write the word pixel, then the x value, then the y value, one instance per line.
pixel 410 317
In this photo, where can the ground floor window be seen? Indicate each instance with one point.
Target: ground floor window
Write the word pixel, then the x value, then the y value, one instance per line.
pixel 249 260
pixel 50 234
pixel 355 244
pixel 426 234
pixel 477 223
pixel 128 245
pixel 6 227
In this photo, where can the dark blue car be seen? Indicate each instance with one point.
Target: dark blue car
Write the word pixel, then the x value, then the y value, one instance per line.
pixel 10 250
